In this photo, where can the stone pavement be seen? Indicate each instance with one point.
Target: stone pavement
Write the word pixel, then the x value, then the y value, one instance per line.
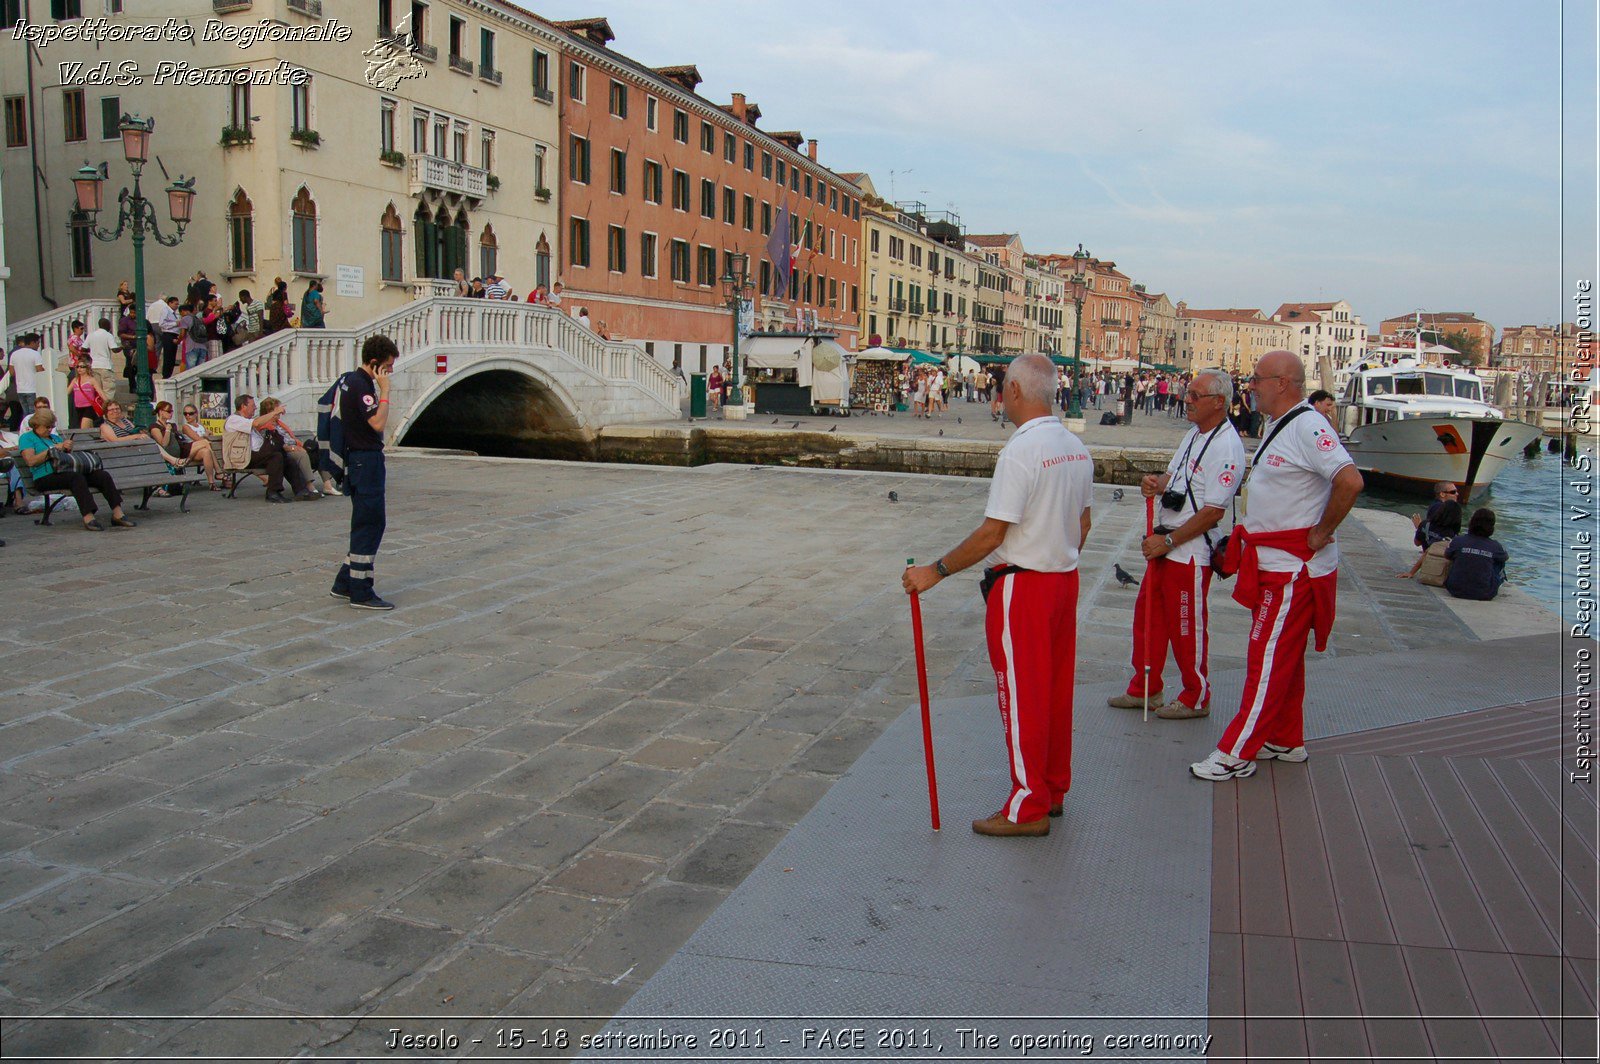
pixel 607 695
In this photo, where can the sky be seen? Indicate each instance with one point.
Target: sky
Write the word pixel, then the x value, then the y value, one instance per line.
pixel 1400 155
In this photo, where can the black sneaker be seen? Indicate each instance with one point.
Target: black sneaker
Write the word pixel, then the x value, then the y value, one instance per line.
pixel 336 593
pixel 277 496
pixel 373 603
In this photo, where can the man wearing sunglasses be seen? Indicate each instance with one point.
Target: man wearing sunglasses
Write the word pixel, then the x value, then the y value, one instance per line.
pixel 1301 484
pixel 1171 609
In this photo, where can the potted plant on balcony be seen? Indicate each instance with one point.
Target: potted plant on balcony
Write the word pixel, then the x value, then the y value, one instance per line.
pixel 541 194
pixel 493 182
pixel 392 158
pixel 306 138
pixel 235 135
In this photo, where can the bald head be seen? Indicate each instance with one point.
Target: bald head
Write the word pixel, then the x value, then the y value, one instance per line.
pixel 1279 382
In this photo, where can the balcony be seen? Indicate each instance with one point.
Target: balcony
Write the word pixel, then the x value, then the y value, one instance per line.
pixel 313 8
pixel 461 64
pixel 445 175
pixel 543 95
pixel 916 310
pixel 426 52
pixel 897 304
pixel 223 7
pixel 490 75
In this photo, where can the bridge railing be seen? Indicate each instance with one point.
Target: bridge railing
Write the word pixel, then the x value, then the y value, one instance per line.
pixel 312 357
pixel 55 326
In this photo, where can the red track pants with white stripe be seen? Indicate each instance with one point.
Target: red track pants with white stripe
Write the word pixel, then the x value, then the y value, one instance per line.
pixel 1032 628
pixel 1272 709
pixel 1172 603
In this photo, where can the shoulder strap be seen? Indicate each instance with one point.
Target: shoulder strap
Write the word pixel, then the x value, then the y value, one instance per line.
pixel 1290 416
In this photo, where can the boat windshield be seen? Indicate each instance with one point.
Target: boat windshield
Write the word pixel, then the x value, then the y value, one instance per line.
pixel 1466 388
pixel 1380 385
pixel 1408 385
pixel 1438 383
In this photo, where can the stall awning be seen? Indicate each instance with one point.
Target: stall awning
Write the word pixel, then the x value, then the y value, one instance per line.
pixel 772 352
pixel 879 354
pixel 921 358
pixel 992 360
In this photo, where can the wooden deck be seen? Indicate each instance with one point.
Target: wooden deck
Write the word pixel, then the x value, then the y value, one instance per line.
pixel 1423 891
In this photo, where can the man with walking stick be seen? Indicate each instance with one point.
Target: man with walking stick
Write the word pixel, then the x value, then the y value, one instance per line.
pixel 1035 522
pixel 1171 610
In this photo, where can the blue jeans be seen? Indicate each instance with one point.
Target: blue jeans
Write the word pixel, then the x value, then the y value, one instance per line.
pixel 364 482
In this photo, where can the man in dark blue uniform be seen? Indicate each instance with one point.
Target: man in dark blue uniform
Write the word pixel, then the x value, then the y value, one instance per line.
pixel 363 402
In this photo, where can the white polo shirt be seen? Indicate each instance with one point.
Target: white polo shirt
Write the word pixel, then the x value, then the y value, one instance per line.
pixel 100 344
pixel 1290 482
pixel 26 364
pixel 1042 483
pixel 1213 472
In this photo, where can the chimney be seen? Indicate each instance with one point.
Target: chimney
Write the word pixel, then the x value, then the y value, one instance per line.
pixel 811 149
pixel 737 107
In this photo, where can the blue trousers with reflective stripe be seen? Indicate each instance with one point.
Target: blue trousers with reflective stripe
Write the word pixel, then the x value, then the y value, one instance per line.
pixel 364 483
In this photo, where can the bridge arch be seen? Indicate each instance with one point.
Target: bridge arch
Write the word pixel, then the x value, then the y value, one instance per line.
pixel 497 405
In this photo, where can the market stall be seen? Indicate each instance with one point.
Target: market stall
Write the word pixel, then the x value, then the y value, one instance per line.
pixel 795 373
pixel 878 379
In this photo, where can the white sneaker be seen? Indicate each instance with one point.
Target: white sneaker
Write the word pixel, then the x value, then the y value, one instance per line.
pixel 1219 766
pixel 329 489
pixel 1294 754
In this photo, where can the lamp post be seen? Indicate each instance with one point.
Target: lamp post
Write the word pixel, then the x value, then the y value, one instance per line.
pixel 1079 286
pixel 138 213
pixel 736 284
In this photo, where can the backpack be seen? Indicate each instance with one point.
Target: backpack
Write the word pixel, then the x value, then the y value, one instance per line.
pixel 1109 418
pixel 1435 566
pixel 197 329
pixel 223 327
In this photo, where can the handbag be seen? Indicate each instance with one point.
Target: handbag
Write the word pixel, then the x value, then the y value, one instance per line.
pixel 1435 566
pixel 74 461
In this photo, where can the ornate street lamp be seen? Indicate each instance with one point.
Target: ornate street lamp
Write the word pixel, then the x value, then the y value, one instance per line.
pixel 138 213
pixel 736 285
pixel 1080 285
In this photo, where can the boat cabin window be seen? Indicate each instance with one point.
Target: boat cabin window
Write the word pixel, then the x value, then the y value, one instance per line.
pixel 1380 385
pixel 1468 389
pixel 1438 383
pixel 1352 391
pixel 1408 385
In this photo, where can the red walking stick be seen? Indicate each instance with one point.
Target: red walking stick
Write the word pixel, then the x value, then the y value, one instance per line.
pixel 1149 530
pixel 927 723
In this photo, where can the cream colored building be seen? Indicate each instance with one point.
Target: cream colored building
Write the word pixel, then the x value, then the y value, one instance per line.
pixel 1158 329
pixel 379 169
pixel 1231 338
pixel 1044 320
pixel 915 287
pixel 1331 331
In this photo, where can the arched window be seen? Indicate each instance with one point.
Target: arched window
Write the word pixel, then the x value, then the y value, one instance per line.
pixel 241 233
pixel 456 251
pixel 304 210
pixel 426 238
pixel 389 247
pixel 488 251
pixel 541 262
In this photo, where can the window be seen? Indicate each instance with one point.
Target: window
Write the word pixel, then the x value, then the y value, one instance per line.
pixel 730 147
pixel 749 213
pixel 617 249
pixel 706 267
pixel 619 99
pixel 833 199
pixel 728 200
pixel 486 149
pixel 833 292
pixel 16 121
pixel 575 82
pixel 242 233
pixel 386 109
pixel 680 190
pixel 647 254
pixel 808 187
pixel 652 182
pixel 680 127
pixel 708 198
pixel 578 160
pixel 578 242
pixel 872 241
pixel 61 10
pixel 300 104
pixel 680 261
pixel 110 117
pixel 541 75
pixel 419 132
pixel 708 137
pixel 74 122
pixel 304 227
pixel 485 53
pixel 619 171
pixel 766 165
pixel 488 252
pixel 766 277
pixel 766 218
pixel 390 246
pixel 651 106
pixel 458 31
pixel 10 13
pixel 459 142
pixel 538 168
pixel 419 34
pixel 782 172
pixel 794 179
pixel 749 156
pixel 82 244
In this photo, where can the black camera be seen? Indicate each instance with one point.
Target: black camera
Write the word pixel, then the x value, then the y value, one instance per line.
pixel 1172 500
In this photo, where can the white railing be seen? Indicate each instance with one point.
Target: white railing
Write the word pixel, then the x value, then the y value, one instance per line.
pixel 428 287
pixel 55 326
pixel 315 357
pixel 447 175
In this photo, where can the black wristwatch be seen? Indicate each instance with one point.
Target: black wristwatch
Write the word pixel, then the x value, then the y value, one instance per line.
pixel 939 568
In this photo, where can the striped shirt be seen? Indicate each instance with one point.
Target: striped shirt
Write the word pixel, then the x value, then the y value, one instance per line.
pixel 497 290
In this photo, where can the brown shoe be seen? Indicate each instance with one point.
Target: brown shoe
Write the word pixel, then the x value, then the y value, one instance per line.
pixel 999 826
pixel 1179 711
pixel 1133 701
pixel 1057 809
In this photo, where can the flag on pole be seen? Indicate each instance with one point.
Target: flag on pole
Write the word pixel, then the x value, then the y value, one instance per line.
pixel 779 252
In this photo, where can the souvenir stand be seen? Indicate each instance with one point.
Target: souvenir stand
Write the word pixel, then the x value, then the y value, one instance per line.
pixel 878 378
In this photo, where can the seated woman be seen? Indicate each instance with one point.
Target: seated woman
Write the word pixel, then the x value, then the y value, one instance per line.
pixel 40 446
pixel 182 449
pixel 118 426
pixel 1441 523
pixel 1477 561
pixel 86 399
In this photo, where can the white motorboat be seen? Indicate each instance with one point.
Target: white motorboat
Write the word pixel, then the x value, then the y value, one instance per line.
pixel 1409 425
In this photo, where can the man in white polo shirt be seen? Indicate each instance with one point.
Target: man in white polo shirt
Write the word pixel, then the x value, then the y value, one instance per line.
pixel 1035 522
pixel 1300 486
pixel 1171 610
pixel 101 343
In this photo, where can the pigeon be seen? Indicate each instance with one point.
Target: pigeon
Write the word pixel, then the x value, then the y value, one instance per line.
pixel 1122 576
pixel 776 420
pixel 795 425
pixel 958 421
pixel 833 428
pixel 1116 494
pixel 941 432
pixel 894 496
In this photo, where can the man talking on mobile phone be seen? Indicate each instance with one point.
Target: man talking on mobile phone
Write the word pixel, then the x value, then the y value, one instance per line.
pixel 362 398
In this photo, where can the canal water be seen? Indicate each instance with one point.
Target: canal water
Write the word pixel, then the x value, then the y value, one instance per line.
pixel 1531 501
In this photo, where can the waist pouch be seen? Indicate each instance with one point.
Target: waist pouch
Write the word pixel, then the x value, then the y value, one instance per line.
pixel 993 574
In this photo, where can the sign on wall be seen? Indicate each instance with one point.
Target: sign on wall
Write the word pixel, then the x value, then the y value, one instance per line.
pixel 350 281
